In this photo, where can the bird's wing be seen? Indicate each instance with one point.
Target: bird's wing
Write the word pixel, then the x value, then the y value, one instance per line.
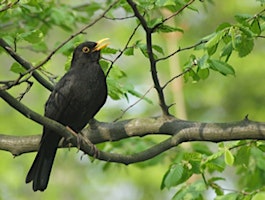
pixel 59 99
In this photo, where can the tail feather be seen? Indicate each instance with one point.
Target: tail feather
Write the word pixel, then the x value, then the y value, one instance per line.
pixel 41 168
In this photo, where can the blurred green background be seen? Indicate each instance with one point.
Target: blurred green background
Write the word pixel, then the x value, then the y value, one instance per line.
pixel 216 99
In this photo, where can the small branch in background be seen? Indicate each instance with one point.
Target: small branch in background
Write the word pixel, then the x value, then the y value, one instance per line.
pixel 180 50
pixel 21 95
pixel 81 31
pixel 132 105
pixel 173 15
pixel 125 47
pixel 26 65
pixel 119 18
pixel 8 6
pixel 177 76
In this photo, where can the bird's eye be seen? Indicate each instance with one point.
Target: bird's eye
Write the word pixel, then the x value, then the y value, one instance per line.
pixel 85 49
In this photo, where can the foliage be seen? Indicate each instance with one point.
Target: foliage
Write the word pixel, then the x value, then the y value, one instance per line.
pixel 28 24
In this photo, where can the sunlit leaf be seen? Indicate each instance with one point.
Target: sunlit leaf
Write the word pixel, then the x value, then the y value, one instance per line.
pixel 255 26
pixel 34 36
pixel 222 67
pixel 229 158
pixel 167 29
pixel 192 191
pixel 215 39
pixel 259 196
pixel 129 51
pixel 17 68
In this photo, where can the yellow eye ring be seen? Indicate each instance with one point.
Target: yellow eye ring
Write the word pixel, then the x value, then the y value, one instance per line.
pixel 85 49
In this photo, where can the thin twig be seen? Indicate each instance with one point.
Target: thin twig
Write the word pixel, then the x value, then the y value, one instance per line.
pixel 181 49
pixel 21 95
pixel 8 6
pixel 173 15
pixel 73 36
pixel 119 18
pixel 125 47
pixel 177 76
pixel 25 64
pixel 31 69
pixel 132 105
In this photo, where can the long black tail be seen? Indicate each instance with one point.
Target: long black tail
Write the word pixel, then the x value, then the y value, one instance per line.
pixel 41 168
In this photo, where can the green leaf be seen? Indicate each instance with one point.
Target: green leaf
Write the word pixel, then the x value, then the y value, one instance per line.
pixel 223 26
pixel 231 196
pixel 261 147
pixel 129 51
pixel 259 196
pixel 34 36
pixel 162 3
pixel 40 47
pixel 214 162
pixel 109 50
pixel 242 155
pixel 114 89
pixel 243 18
pixel 222 67
pixel 203 62
pixel 177 174
pixel 245 47
pixel 155 21
pixel 203 73
pixel 195 77
pixel 218 189
pixel 212 50
pixel 17 68
pixel 168 29
pixel 104 65
pixel 143 49
pixel 192 191
pixel 255 26
pixel 215 39
pixel 158 49
pixel 227 51
pixel 229 158
pixel 201 148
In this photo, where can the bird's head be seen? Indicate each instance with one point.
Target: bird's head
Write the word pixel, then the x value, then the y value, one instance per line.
pixel 89 51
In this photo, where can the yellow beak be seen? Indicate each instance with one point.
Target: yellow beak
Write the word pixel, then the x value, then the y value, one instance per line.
pixel 101 44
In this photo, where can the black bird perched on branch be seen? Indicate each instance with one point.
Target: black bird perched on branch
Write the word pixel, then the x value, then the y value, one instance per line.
pixel 76 98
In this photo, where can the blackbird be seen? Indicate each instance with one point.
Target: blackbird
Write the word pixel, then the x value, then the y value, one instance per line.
pixel 76 98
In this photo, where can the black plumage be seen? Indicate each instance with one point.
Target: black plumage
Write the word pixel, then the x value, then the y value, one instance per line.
pixel 76 98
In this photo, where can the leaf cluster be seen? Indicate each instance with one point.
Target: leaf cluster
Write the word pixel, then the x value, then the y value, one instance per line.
pixel 206 164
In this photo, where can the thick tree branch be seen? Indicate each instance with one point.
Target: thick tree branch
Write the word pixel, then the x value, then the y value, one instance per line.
pixel 178 131
pixel 51 124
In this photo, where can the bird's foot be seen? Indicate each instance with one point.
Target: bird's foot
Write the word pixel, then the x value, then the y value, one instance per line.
pixel 80 138
pixel 90 144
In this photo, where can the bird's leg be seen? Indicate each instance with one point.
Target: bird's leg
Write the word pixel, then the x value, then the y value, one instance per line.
pixel 78 139
pixel 81 137
pixel 91 145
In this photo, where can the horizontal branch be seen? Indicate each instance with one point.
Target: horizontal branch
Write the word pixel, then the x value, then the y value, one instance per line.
pixel 178 131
